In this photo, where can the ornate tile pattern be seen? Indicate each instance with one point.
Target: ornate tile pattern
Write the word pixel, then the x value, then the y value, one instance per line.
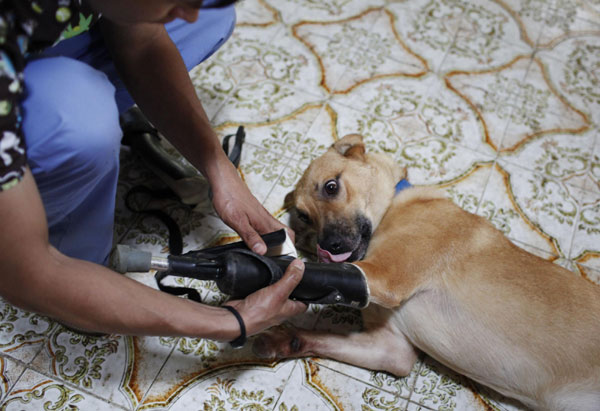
pixel 495 101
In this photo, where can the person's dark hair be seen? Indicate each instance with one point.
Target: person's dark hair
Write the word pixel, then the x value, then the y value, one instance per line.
pixel 216 4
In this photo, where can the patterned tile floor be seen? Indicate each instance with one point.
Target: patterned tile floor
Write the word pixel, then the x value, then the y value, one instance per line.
pixel 496 101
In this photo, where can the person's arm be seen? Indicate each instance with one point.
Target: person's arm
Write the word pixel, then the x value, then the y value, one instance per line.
pixel 87 296
pixel 157 78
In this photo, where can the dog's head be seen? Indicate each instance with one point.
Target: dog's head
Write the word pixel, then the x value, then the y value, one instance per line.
pixel 343 196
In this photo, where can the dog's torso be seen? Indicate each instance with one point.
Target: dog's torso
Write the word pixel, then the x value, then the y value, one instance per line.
pixel 460 291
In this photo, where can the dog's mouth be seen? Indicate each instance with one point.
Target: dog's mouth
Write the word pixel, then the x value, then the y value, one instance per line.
pixel 327 257
pixel 351 245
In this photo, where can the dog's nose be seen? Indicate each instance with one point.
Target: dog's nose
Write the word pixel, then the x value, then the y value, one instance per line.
pixel 335 247
pixel 334 243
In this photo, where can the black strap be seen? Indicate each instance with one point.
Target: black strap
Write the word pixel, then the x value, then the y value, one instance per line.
pixel 175 237
pixel 236 152
pixel 241 340
pixel 192 293
pixel 133 121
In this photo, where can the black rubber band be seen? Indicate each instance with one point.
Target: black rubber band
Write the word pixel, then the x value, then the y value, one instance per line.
pixel 241 340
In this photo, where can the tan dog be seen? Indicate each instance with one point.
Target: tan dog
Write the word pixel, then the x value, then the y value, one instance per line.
pixel 447 282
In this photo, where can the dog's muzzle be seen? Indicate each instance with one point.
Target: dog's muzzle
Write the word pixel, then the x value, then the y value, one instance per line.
pixel 344 240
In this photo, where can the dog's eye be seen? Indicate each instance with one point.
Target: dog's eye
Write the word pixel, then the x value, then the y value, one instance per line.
pixel 303 217
pixel 331 187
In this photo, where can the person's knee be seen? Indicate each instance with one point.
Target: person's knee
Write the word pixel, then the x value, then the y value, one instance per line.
pixel 70 111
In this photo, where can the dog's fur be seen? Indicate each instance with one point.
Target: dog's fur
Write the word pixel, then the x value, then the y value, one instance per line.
pixel 448 283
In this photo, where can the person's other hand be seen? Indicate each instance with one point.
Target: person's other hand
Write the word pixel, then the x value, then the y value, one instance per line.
pixel 240 210
pixel 271 305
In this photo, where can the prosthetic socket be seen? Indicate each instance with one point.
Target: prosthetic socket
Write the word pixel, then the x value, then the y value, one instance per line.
pixel 238 272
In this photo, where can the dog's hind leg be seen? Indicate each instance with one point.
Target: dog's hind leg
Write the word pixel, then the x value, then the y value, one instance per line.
pixel 381 346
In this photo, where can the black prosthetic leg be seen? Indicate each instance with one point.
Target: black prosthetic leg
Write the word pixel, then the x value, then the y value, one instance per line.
pixel 239 272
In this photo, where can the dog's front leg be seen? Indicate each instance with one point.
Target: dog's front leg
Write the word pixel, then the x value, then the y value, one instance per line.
pixel 389 285
pixel 380 347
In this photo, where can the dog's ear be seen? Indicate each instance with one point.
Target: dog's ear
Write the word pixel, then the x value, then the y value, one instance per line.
pixel 351 145
pixel 289 201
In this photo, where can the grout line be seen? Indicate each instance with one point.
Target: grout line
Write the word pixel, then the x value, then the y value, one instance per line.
pixel 422 406
pixel 509 121
pixel 438 70
pixel 412 388
pixel 279 177
pixel 485 187
pixel 522 244
pixel 352 377
pixel 12 386
pixel 141 402
pixel 595 144
pixel 286 383
pixel 576 220
pixel 541 33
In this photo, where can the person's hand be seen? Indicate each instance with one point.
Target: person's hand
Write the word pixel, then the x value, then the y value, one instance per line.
pixel 240 210
pixel 271 305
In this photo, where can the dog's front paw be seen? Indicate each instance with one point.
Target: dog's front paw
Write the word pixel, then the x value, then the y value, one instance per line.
pixel 278 342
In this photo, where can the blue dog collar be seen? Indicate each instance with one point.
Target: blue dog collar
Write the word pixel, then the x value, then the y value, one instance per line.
pixel 402 184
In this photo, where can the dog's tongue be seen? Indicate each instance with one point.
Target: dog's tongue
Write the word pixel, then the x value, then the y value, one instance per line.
pixel 326 257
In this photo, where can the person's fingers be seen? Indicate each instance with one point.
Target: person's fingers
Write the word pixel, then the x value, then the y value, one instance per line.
pixel 291 279
pixel 249 235
pixel 294 274
pixel 264 222
pixel 254 241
